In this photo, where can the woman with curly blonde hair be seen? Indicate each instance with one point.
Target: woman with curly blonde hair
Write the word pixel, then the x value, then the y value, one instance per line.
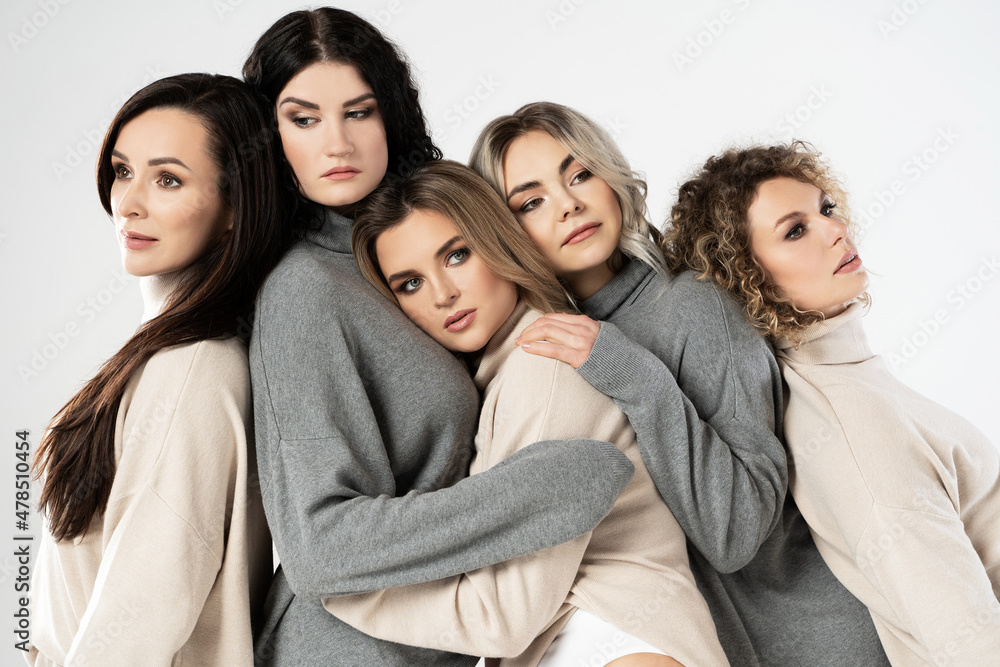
pixel 901 495
pixel 709 234
pixel 701 389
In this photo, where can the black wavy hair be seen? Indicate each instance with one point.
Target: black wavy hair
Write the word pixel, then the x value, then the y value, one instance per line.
pixel 327 34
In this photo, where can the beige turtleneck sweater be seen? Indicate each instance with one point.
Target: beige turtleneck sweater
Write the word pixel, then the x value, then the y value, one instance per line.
pixel 169 573
pixel 902 497
pixel 631 571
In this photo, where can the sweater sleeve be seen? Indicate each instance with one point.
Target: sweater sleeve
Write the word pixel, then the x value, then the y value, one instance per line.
pixel 330 496
pixel 708 435
pixel 927 568
pixel 163 556
pixel 498 610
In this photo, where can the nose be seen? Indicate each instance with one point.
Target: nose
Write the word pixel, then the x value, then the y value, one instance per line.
pixel 131 202
pixel 337 140
pixel 445 292
pixel 569 205
pixel 835 231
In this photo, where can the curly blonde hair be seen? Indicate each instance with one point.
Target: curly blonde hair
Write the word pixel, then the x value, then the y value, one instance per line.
pixel 709 230
pixel 589 143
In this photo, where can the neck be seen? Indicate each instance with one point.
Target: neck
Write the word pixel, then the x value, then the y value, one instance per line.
pixel 585 284
pixel 156 290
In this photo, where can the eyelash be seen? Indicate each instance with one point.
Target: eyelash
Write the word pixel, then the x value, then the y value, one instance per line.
pixel 826 209
pixel 353 114
pixel 453 258
pixel 581 176
pixel 122 173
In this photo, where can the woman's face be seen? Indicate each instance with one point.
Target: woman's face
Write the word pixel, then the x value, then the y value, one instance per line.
pixel 165 197
pixel 572 216
pixel 805 249
pixel 445 288
pixel 332 134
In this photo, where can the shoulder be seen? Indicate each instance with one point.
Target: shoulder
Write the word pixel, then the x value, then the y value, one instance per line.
pixel 310 274
pixel 207 368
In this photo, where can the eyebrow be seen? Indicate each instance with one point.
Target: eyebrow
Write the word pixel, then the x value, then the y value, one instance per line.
pixel 563 166
pixel 155 162
pixel 312 105
pixel 794 214
pixel 440 251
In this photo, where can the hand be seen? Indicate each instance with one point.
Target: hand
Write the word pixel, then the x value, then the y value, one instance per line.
pixel 568 338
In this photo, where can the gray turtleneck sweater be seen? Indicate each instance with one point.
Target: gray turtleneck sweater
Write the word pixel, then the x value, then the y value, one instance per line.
pixel 364 425
pixel 703 393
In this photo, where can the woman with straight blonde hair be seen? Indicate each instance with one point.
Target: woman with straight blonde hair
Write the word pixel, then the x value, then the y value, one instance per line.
pixel 701 389
pixel 447 250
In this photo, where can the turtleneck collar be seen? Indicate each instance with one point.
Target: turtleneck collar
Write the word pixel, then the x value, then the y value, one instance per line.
pixel 836 340
pixel 334 234
pixel 501 344
pixel 156 290
pixel 610 297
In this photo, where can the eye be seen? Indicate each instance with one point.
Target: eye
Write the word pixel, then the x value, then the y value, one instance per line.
pixel 122 172
pixel 827 208
pixel 530 205
pixel 303 121
pixel 168 180
pixel 457 256
pixel 359 114
pixel 581 176
pixel 796 232
pixel 409 286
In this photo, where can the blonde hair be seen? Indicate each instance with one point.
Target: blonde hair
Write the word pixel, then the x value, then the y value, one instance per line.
pixel 481 217
pixel 709 228
pixel 589 143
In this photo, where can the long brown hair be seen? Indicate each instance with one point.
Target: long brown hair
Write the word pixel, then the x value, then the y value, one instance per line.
pixel 214 300
pixel 484 221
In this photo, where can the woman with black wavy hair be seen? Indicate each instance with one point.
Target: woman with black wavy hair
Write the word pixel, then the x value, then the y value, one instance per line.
pixel 364 424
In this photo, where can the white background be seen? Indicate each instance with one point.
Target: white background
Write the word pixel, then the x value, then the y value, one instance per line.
pixel 876 86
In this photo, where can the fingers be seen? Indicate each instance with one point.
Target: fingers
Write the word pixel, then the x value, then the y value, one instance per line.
pixel 569 355
pixel 568 338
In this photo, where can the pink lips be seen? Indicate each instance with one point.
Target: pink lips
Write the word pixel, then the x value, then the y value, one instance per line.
pixel 460 320
pixel 136 241
pixel 850 262
pixel 581 233
pixel 341 173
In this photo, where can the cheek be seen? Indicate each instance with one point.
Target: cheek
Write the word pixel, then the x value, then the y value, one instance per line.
pixel 295 151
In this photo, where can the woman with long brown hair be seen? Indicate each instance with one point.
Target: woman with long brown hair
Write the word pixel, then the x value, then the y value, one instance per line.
pixel 159 544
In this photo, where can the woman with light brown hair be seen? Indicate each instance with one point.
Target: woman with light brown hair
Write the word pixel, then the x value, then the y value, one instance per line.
pixel 701 389
pixel 901 495
pixel 443 245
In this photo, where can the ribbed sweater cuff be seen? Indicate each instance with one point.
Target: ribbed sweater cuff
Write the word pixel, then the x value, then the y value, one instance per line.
pixel 613 365
pixel 621 468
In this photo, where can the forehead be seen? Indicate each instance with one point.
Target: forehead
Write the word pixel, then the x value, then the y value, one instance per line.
pixel 779 196
pixel 165 132
pixel 326 83
pixel 414 240
pixel 534 152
